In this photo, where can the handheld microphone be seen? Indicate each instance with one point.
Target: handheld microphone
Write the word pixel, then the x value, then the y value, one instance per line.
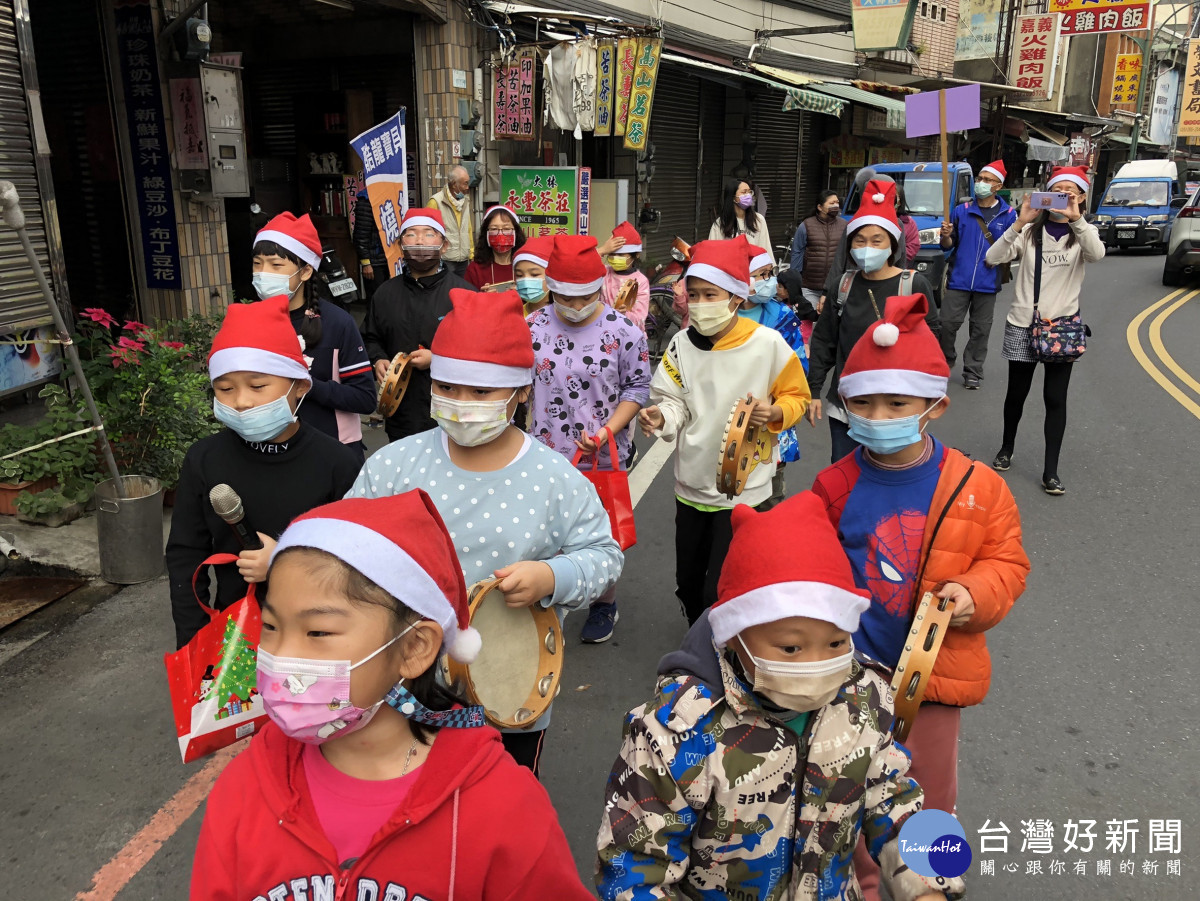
pixel 227 505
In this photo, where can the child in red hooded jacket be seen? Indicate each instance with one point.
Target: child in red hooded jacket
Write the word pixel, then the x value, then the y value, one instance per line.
pixel 371 780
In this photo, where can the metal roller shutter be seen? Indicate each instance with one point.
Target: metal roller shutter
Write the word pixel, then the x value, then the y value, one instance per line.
pixel 675 133
pixel 21 302
pixel 777 135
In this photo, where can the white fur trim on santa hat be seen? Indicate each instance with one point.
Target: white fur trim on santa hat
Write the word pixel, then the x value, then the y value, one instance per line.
pixel 993 171
pixel 478 373
pixel 1071 177
pixel 387 565
pixel 720 278
pixel 499 208
pixel 427 221
pixel 771 603
pixel 893 381
pixel 288 242
pixel 573 289
pixel 629 248
pixel 527 257
pixel 254 359
pixel 887 225
pixel 758 262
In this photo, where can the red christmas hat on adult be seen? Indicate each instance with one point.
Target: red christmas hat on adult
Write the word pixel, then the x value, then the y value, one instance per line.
pixel 536 250
pixel 575 268
pixel 297 235
pixel 760 585
pixel 423 215
pixel 258 337
pixel 1076 175
pixel 484 341
pixel 401 544
pixel 633 241
pixel 877 207
pixel 997 169
pixel 724 263
pixel 897 355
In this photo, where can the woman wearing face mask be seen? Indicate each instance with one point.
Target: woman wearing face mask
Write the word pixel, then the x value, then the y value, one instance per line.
pixel 529 267
pixel 765 687
pixel 814 248
pixel 287 254
pixel 279 465
pixel 519 511
pixel 739 217
pixel 500 236
pixel 856 301
pixel 372 774
pixel 1065 241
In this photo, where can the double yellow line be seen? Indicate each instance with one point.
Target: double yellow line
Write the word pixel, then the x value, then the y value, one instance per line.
pixel 1172 302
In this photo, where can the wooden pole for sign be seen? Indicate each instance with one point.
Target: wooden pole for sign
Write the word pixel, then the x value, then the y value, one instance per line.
pixel 945 156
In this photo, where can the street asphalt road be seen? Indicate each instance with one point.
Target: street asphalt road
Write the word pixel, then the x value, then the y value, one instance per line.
pixel 1092 713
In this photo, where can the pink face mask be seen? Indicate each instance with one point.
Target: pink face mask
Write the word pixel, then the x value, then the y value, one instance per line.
pixel 309 700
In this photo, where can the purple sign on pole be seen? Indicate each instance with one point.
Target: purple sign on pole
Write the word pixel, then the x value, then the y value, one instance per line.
pixel 922 117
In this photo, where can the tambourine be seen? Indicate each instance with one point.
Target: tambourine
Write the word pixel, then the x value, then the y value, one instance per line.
pixel 519 668
pixel 626 295
pixel 681 251
pixel 395 383
pixel 743 447
pixel 921 647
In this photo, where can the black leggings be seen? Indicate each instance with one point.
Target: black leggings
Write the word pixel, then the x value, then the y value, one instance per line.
pixel 1054 395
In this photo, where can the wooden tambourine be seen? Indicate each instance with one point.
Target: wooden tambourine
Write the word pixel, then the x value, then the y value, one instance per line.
pixel 395 383
pixel 743 447
pixel 683 249
pixel 517 673
pixel 921 647
pixel 626 295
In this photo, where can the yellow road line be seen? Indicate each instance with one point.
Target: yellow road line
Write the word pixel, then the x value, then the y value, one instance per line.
pixel 1159 348
pixel 1139 353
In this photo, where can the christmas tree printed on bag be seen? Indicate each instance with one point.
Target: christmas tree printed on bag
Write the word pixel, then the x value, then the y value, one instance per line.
pixel 227 688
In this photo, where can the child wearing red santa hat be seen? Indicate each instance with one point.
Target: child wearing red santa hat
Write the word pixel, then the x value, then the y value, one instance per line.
pixel 529 270
pixel 278 464
pixel 765 717
pixel 915 516
pixel 622 253
pixel 372 780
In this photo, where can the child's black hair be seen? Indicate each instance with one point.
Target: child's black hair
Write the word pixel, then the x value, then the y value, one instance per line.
pixel 315 290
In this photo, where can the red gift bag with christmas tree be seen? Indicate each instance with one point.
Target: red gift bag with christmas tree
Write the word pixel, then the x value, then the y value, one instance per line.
pixel 212 678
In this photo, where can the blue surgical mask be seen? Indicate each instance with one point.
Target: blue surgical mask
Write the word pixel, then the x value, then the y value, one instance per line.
pixel 1057 216
pixel 272 284
pixel 887 436
pixel 871 259
pixel 258 423
pixel 531 289
pixel 459 195
pixel 982 190
pixel 765 290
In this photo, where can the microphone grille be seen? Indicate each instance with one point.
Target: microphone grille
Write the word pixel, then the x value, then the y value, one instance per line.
pixel 225 502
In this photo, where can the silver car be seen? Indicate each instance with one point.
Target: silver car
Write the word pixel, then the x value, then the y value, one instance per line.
pixel 1183 253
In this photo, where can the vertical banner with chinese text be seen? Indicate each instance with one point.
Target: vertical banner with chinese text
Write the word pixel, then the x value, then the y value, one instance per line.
pixel 382 150
pixel 1127 75
pixel 641 95
pixel 626 62
pixel 545 198
pixel 1035 54
pixel 606 59
pixel 1189 114
pixel 521 122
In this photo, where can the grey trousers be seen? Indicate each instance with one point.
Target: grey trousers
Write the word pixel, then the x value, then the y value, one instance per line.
pixel 956 306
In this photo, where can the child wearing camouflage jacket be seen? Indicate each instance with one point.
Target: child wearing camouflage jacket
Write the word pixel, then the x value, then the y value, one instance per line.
pixel 704 801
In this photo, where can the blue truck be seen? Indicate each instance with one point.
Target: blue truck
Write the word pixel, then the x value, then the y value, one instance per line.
pixel 922 184
pixel 1140 204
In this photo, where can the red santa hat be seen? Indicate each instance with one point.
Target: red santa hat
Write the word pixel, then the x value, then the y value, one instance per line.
pixel 258 337
pixel 423 215
pixel 759 258
pixel 897 355
pixel 1076 175
pixel 633 241
pixel 536 250
pixel 500 208
pixel 997 169
pixel 760 585
pixel 575 268
pixel 297 235
pixel 877 207
pixel 724 263
pixel 484 341
pixel 401 544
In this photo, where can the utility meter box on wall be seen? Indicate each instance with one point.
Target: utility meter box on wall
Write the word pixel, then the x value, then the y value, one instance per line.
pixel 222 90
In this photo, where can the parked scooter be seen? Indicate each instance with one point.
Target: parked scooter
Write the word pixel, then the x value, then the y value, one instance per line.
pixel 663 315
pixel 342 288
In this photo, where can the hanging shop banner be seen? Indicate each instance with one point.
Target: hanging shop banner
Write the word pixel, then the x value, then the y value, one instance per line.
pixel 501 128
pixel 585 198
pixel 881 24
pixel 382 151
pixel 151 159
pixel 1092 17
pixel 1162 112
pixel 627 54
pixel 606 60
pixel 1035 55
pixel 1127 76
pixel 1189 114
pixel 1082 151
pixel 641 96
pixel 187 120
pixel 513 96
pixel 978 29
pixel 545 198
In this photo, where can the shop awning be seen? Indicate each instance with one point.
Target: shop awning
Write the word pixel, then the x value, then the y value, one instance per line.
pixel 892 106
pixel 1046 152
pixel 1049 134
pixel 813 101
pixel 789 76
pixel 987 89
pixel 728 71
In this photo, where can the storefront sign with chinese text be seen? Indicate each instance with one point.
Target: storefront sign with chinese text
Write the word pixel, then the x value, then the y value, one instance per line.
pixel 627 54
pixel 151 161
pixel 513 96
pixel 978 29
pixel 1035 55
pixel 382 151
pixel 606 60
pixel 641 96
pixel 1096 16
pixel 1127 74
pixel 1189 114
pixel 545 198
pixel 187 119
pixel 881 24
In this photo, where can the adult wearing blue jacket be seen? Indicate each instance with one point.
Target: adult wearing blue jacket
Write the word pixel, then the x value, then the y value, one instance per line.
pixel 972 285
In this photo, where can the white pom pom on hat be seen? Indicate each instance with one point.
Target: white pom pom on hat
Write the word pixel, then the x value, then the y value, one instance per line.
pixel 879 198
pixel 886 334
pixel 465 645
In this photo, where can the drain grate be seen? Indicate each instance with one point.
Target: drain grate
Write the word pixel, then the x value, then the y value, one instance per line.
pixel 22 595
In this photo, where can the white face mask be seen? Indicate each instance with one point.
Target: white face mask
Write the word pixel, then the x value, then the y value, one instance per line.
pixel 570 314
pixel 710 317
pixel 470 423
pixel 272 284
pixel 800 686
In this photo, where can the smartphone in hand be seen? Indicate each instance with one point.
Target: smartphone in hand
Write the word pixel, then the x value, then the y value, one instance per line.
pixel 1049 200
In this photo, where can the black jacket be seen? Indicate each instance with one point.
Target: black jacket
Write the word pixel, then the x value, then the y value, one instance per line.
pixel 404 316
pixel 366 236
